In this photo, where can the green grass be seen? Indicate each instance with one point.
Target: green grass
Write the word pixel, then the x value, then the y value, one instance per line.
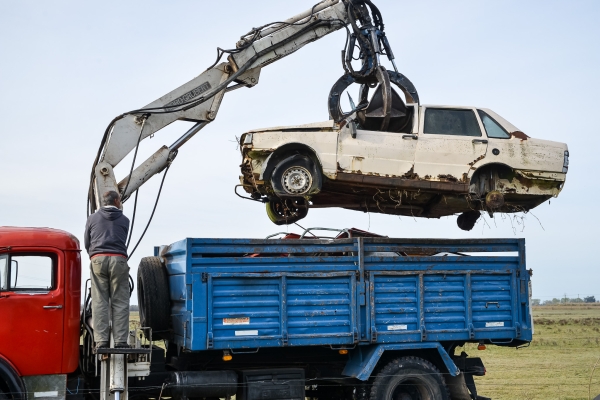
pixel 557 365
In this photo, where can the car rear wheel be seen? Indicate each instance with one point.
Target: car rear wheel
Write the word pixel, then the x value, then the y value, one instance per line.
pixel 466 221
pixel 286 211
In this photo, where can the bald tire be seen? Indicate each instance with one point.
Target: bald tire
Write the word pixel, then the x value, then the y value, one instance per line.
pixel 409 378
pixel 153 297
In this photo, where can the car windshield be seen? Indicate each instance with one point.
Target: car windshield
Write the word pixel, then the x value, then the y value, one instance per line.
pixel 443 121
pixel 492 128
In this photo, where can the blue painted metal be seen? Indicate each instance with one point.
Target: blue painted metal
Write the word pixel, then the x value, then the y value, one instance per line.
pixel 363 359
pixel 247 294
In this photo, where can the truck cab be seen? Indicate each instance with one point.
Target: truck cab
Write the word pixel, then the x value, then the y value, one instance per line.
pixel 40 292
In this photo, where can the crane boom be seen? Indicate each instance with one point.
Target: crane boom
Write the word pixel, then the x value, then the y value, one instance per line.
pixel 199 99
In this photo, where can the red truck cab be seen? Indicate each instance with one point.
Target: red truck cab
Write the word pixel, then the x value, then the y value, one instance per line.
pixel 40 297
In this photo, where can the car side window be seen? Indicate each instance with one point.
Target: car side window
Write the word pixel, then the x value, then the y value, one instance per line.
pixel 30 272
pixel 492 128
pixel 444 121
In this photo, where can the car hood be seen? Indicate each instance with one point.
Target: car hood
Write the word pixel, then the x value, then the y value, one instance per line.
pixel 315 126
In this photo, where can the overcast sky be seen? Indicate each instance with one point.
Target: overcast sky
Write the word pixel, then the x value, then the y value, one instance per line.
pixel 68 67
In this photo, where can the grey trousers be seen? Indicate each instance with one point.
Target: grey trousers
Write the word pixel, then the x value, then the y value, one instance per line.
pixel 110 281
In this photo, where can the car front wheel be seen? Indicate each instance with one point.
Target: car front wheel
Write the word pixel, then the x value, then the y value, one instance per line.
pixel 286 211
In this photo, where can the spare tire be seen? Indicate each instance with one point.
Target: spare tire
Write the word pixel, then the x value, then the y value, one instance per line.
pixel 153 298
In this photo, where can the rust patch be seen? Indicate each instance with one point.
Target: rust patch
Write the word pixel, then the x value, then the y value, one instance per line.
pixel 465 178
pixel 410 174
pixel 481 157
pixel 448 178
pixel 519 135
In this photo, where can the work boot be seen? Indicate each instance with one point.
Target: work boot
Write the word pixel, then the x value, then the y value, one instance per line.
pixel 102 345
pixel 121 345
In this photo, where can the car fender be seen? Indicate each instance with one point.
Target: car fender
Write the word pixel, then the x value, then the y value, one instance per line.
pixel 276 156
pixel 482 164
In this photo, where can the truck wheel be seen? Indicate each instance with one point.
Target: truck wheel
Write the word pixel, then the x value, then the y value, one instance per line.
pixel 286 211
pixel 296 176
pixel 11 384
pixel 153 297
pixel 409 378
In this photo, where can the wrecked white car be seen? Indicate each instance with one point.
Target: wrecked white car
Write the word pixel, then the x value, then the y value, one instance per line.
pixel 430 161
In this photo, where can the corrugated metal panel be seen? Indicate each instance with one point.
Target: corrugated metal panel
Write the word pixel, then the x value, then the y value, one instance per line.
pixel 445 302
pixel 320 307
pixel 245 307
pixel 396 303
pixel 492 301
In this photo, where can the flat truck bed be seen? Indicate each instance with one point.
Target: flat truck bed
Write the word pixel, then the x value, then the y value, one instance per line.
pixel 367 295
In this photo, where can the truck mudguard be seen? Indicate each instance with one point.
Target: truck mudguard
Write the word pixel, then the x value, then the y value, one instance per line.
pixel 363 359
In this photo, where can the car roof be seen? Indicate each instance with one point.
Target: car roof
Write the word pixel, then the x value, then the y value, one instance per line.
pixel 13 236
pixel 327 125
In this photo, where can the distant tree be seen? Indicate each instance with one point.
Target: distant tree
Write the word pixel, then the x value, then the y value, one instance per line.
pixel 551 302
pixel 134 307
pixel 536 302
pixel 575 300
pixel 589 299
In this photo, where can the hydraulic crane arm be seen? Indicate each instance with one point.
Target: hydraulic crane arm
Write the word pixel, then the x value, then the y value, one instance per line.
pixel 199 99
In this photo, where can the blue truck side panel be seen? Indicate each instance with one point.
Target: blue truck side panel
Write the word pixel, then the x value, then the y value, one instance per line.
pixel 377 292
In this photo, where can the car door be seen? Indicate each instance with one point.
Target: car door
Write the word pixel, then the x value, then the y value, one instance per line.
pixel 376 152
pixel 450 142
pixel 31 311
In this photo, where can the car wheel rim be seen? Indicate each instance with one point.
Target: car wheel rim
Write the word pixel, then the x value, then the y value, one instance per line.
pixel 296 180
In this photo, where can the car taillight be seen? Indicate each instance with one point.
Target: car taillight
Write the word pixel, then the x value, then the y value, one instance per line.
pixel 566 162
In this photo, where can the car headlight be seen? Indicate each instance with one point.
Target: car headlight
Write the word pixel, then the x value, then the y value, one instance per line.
pixel 248 138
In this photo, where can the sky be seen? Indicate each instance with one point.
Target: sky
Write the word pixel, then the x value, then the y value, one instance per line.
pixel 68 67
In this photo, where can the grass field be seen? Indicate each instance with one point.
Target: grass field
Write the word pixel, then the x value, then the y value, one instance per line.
pixel 557 365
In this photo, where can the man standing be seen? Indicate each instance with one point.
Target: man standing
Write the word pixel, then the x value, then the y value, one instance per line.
pixel 105 241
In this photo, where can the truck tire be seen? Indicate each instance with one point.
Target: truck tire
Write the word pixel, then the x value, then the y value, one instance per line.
pixel 409 378
pixel 11 385
pixel 153 298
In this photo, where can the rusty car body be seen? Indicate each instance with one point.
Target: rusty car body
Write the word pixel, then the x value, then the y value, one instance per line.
pixel 435 161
